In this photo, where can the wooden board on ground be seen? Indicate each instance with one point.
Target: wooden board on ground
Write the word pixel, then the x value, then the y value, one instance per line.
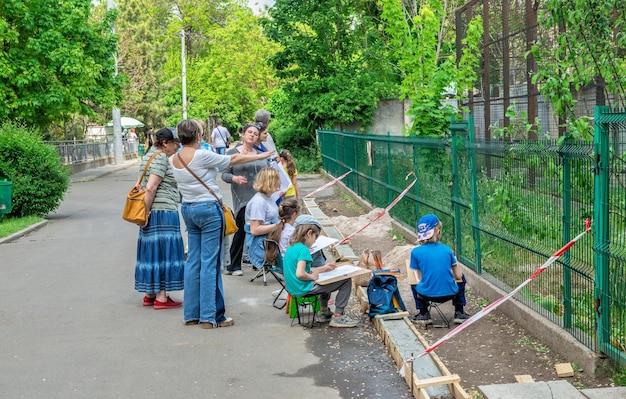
pixel 564 370
pixel 524 378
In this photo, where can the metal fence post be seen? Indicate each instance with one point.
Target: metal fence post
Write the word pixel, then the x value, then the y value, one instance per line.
pixel 474 189
pixel 600 227
pixel 566 222
pixel 456 181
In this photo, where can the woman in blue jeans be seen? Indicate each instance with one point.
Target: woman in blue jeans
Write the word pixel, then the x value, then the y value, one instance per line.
pixel 204 294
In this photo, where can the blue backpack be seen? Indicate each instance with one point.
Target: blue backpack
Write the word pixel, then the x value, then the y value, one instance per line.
pixel 384 296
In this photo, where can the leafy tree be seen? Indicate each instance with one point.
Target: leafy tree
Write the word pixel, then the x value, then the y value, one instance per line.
pixel 420 32
pixel 142 27
pixel 227 75
pixel 583 44
pixel 55 62
pixel 231 79
pixel 333 64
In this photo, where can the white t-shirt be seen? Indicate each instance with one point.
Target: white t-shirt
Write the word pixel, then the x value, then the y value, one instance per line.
pixel 220 134
pixel 269 144
pixel 263 208
pixel 285 236
pixel 204 164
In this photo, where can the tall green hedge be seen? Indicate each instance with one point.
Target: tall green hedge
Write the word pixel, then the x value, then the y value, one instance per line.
pixel 39 178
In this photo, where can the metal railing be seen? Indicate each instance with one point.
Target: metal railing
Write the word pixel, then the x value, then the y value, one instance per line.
pixel 78 151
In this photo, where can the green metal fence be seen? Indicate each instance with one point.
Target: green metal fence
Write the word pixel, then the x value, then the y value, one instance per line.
pixel 610 230
pixel 507 207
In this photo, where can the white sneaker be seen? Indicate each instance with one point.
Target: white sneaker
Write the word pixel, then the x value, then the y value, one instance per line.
pixel 343 321
pixel 237 273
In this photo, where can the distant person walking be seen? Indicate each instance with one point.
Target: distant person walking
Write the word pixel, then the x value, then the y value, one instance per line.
pixel 220 138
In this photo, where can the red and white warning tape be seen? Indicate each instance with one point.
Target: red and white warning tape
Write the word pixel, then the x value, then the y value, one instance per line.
pixel 330 183
pixel 382 213
pixel 487 309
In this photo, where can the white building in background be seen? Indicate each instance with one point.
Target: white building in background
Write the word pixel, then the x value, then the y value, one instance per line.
pixel 97 132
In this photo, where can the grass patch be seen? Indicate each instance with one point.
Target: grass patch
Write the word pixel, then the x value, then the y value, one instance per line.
pixel 350 203
pixel 13 225
pixel 619 376
pixel 397 237
pixel 535 345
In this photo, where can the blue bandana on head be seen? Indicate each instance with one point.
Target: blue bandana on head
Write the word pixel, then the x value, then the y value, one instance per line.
pixel 426 227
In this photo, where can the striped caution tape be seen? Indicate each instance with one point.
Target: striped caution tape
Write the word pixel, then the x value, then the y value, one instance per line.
pixel 487 309
pixel 382 213
pixel 330 183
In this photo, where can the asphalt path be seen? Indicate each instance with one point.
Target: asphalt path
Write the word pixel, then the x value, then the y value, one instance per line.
pixel 72 325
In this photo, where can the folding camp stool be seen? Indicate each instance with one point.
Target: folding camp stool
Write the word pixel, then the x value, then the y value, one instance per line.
pixel 306 308
pixel 445 321
pixel 267 269
pixel 274 270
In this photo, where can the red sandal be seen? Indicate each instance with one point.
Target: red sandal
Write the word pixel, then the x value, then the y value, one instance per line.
pixel 169 304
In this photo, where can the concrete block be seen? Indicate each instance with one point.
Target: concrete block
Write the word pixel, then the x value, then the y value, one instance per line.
pixel 332 232
pixel 531 390
pixel 317 212
pixel 605 393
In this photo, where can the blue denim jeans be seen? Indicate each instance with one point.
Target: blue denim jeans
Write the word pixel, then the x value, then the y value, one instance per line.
pixel 204 293
pixel 256 248
pixel 458 299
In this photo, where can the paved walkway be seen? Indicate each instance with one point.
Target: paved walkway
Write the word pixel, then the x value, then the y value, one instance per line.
pixel 72 325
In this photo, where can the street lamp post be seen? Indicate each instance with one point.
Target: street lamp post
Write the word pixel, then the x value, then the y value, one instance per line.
pixel 117 125
pixel 183 61
pixel 183 64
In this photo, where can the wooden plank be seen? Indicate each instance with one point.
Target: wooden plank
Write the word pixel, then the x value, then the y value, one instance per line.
pixel 357 272
pixel 444 379
pixel 564 370
pixel 392 316
pixel 398 334
pixel 410 275
pixel 456 390
pixel 524 378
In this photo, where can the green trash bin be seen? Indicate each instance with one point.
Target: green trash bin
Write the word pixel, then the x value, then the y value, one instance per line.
pixel 5 198
pixel 141 150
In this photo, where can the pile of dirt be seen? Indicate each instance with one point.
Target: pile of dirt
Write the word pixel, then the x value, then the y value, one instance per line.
pixel 352 224
pixel 369 237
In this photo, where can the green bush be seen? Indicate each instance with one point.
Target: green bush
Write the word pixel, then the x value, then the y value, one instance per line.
pixel 301 144
pixel 39 178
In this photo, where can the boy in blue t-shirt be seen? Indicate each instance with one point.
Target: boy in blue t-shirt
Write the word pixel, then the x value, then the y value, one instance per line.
pixel 436 270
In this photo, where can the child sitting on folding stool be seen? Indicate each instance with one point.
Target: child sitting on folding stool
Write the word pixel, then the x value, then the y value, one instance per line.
pixel 436 270
pixel 300 276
